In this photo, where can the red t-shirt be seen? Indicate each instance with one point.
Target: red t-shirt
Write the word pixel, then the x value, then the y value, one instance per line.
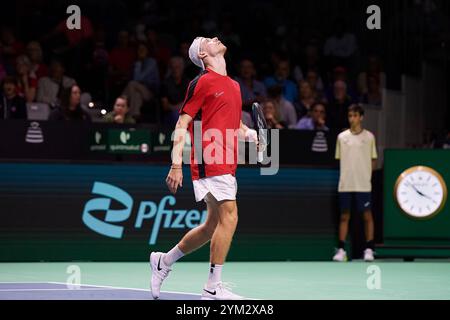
pixel 215 101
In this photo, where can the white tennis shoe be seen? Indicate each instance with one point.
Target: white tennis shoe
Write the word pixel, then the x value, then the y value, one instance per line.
pixel 159 272
pixel 368 255
pixel 340 256
pixel 219 292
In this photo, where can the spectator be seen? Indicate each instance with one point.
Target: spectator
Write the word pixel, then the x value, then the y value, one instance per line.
pixel 284 107
pixel 281 78
pixel 121 59
pixel 272 115
pixel 120 113
pixel 70 107
pixel 12 106
pixel 49 88
pixel 10 48
pixel 27 83
pixel 34 53
pixel 252 90
pixel 316 83
pixel 145 83
pixel 173 91
pixel 373 68
pixel 311 62
pixel 307 99
pixel 316 121
pixel 373 96
pixel 338 107
pixel 159 50
pixel 341 46
pixel 340 73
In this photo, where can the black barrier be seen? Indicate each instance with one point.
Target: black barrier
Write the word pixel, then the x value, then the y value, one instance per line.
pixel 65 140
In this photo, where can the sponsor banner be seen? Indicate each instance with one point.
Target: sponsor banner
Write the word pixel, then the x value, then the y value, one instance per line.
pixel 66 140
pixel 122 212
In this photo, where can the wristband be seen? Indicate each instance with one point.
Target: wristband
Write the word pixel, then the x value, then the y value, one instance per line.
pixel 251 135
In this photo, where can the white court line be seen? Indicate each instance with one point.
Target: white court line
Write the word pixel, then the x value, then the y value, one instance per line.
pixel 96 287
pixel 61 289
pixel 125 288
pixel 22 282
pixel 88 285
pixel 139 289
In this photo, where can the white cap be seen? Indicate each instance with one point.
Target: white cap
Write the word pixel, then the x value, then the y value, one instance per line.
pixel 194 50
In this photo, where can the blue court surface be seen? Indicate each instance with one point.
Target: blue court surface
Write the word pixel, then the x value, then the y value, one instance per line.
pixel 62 291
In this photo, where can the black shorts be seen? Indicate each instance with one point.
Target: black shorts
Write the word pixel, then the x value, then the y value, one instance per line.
pixel 363 201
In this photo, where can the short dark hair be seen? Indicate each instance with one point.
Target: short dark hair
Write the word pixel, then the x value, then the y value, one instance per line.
pixel 315 104
pixel 123 97
pixel 357 108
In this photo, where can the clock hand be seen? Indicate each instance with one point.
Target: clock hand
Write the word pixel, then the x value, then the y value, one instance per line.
pixel 417 190
pixel 428 197
pixel 420 193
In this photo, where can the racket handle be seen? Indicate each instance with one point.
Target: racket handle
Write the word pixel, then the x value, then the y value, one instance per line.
pixel 260 156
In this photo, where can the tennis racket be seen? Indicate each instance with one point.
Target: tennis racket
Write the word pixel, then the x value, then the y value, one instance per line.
pixel 261 129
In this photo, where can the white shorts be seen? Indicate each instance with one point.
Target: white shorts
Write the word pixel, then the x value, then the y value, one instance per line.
pixel 221 187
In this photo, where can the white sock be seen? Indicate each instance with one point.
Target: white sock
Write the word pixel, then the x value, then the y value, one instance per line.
pixel 215 274
pixel 172 256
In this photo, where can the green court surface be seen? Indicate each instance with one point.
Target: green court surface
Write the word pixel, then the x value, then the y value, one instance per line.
pixel 427 279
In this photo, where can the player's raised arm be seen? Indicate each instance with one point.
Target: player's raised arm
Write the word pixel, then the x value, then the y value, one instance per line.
pixel 175 176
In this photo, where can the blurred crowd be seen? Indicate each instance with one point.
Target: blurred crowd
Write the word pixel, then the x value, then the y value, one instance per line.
pixel 138 71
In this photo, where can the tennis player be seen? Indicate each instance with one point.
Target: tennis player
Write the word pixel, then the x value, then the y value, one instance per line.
pixel 214 99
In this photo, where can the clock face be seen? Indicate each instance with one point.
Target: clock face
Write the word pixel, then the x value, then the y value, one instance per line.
pixel 420 192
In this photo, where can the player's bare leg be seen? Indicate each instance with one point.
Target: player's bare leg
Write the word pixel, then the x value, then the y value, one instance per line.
pixel 200 235
pixel 223 235
pixel 220 245
pixel 368 225
pixel 194 239
pixel 343 225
